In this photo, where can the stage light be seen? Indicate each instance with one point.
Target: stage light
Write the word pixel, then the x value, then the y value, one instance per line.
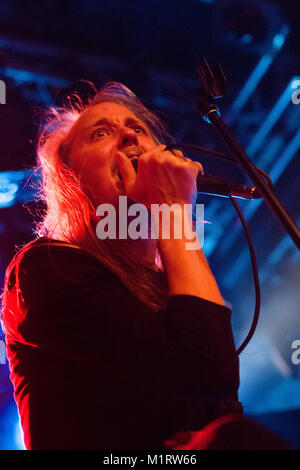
pixel 19 437
pixel 254 25
pixel 7 193
pixel 15 187
pixel 10 428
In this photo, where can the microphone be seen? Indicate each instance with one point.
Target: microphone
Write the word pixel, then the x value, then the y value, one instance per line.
pixel 215 186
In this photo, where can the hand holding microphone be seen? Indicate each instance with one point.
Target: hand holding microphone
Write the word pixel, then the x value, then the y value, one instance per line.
pixel 212 185
pixel 159 176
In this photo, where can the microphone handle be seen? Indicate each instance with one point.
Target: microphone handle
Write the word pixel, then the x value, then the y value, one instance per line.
pixel 209 184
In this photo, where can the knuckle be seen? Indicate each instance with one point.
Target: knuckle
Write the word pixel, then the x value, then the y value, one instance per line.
pixel 197 165
pixel 143 158
pixel 200 167
pixel 156 157
pixel 177 153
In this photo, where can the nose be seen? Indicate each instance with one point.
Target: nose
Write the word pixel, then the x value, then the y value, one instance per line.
pixel 128 138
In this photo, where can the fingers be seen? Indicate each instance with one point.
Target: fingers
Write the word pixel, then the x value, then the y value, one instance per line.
pixel 154 151
pixel 178 153
pixel 126 169
pixel 160 153
pixel 197 165
pixel 200 168
pixel 158 168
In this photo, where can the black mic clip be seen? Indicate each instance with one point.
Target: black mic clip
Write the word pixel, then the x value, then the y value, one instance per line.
pixel 213 87
pixel 214 84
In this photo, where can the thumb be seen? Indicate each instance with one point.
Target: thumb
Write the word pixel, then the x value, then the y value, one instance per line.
pixel 126 170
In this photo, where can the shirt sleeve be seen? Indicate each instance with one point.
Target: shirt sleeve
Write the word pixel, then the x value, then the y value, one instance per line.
pixel 78 310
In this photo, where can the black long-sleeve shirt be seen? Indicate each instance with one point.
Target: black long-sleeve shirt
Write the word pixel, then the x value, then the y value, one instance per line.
pixel 95 368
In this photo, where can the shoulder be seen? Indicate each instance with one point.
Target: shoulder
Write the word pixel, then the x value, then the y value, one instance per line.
pixel 45 260
pixel 50 284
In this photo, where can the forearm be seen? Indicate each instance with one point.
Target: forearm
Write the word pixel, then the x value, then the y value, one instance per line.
pixel 187 270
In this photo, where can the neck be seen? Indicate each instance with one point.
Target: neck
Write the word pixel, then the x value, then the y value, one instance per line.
pixel 144 251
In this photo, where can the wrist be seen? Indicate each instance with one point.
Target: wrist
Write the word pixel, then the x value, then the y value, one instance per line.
pixel 173 222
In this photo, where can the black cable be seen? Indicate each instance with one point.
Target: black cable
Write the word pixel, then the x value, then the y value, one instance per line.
pixel 266 176
pixel 255 277
pixel 246 231
pixel 216 154
pixel 201 149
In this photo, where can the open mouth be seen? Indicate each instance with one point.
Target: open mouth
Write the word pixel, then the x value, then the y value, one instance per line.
pixel 134 162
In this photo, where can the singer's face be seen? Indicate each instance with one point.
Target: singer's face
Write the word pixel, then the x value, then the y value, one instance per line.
pixel 92 145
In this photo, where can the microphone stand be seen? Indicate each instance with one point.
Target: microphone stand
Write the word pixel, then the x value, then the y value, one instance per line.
pixel 213 87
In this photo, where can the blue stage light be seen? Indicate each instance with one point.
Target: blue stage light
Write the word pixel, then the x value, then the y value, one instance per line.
pixel 10 428
pixel 19 436
pixel 258 139
pixel 8 193
pixel 250 85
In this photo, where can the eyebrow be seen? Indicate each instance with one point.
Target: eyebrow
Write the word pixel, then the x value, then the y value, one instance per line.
pixel 100 122
pixel 128 122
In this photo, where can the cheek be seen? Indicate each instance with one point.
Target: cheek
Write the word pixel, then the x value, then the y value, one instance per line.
pixel 94 168
pixel 96 179
pixel 97 185
pixel 87 161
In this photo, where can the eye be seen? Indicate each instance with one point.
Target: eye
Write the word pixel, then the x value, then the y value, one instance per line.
pixel 100 133
pixel 139 130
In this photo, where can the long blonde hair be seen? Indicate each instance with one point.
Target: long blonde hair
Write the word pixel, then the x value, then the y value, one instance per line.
pixel 70 215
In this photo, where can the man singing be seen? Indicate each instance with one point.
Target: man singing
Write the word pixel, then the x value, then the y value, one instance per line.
pixel 114 343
